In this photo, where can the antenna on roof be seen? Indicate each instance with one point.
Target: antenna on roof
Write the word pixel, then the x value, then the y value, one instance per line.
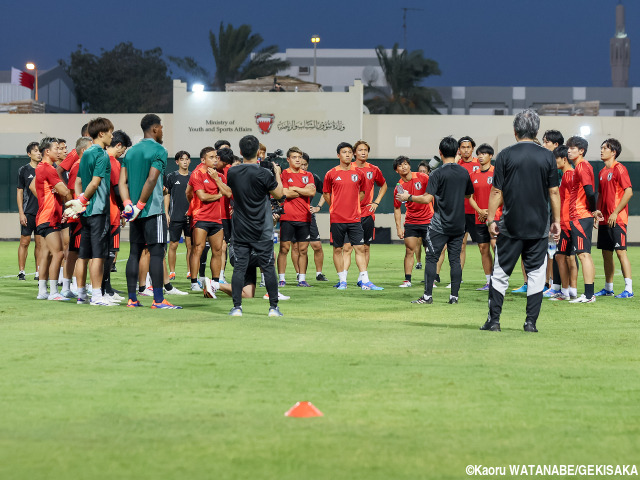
pixel 404 21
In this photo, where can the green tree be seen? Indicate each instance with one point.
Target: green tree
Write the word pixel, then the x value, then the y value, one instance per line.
pixel 403 72
pixel 122 80
pixel 232 49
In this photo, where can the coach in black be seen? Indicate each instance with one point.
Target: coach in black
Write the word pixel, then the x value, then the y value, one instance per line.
pixel 253 222
pixel 525 181
pixel 449 185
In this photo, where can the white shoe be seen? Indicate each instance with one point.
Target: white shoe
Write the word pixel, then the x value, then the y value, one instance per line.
pixel 280 296
pixel 174 291
pixel 583 299
pixel 68 294
pixel 112 298
pixel 209 290
pixel 117 298
pixel 195 287
pixel 148 292
pixel 57 296
pixel 102 302
pixel 43 296
pixel 405 284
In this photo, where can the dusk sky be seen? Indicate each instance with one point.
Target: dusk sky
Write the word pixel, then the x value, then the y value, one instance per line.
pixel 496 42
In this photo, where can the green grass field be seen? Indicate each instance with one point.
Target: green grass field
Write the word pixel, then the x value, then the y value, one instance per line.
pixel 407 391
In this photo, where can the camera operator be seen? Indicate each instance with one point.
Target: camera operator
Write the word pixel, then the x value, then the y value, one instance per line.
pixel 253 222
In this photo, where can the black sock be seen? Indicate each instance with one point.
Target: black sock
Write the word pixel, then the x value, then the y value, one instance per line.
pixel 194 280
pixel 168 286
pixel 407 277
pixel 438 277
pixel 588 290
pixel 216 279
pixel 141 288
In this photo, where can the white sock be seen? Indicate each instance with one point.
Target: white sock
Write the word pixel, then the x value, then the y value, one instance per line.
pixel 451 297
pixel 281 277
pixel 608 287
pixel 75 282
pixel 318 273
pixel 222 274
pixel 426 297
pixel 302 277
pixel 342 276
pixel 573 291
pixel 42 286
pixel 364 277
pixel 565 292
pixel 556 287
pixel 61 275
pixel 96 294
pixel 628 285
pixel 66 284
pixel 148 280
pixel 22 271
pixel 262 277
pixel 53 287
pixel 488 277
pixel 82 292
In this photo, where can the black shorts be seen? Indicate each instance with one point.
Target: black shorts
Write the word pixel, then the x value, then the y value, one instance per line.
pixel 64 225
pixel 368 228
pixel 210 227
pixel 482 234
pixel 178 229
pixel 470 225
pixel 418 230
pixel 75 236
pixel 612 238
pixel 351 231
pixel 435 242
pixel 313 229
pixel 149 230
pixel 228 229
pixel 45 229
pixel 295 231
pixel 581 234
pixel 30 227
pixel 114 241
pixel 565 245
pixel 96 233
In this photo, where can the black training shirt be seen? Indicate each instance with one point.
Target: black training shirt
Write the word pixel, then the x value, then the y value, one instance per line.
pixel 449 185
pixel 250 185
pixel 26 174
pixel 176 184
pixel 525 172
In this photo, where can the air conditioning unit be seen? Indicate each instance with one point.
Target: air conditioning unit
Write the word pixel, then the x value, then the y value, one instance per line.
pixel 499 111
pixel 304 70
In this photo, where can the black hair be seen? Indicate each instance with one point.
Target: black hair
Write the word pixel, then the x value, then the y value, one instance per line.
pixel 554 136
pixel 485 148
pixel 342 145
pixel 62 140
pixel 579 142
pixel 306 157
pixel 425 164
pixel 249 145
pixel 226 155
pixel 467 139
pixel 119 137
pixel 46 142
pixel 561 151
pixel 205 150
pixel 84 132
pixel 614 145
pixel 182 153
pixel 219 144
pixel 399 161
pixel 448 147
pixel 149 120
pixel 32 145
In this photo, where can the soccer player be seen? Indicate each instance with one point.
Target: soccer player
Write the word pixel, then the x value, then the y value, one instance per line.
pixel 525 181
pixel 482 180
pixel 176 206
pixel 449 185
pixel 28 209
pixel 417 217
pixel 315 243
pixel 224 163
pixel 51 193
pixel 206 187
pixel 615 191
pixel 471 164
pixel 141 179
pixel 565 256
pixel 295 224
pixel 372 176
pixel 72 157
pixel 343 190
pixel 92 205
pixel 582 211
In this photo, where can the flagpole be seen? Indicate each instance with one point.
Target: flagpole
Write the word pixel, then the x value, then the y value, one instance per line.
pixel 32 66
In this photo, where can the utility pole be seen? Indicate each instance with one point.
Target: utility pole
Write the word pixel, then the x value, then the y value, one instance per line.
pixel 404 21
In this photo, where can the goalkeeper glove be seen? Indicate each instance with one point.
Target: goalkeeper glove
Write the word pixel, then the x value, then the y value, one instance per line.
pixel 132 211
pixel 76 207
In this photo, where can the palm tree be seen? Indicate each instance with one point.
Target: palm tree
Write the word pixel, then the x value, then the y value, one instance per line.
pixel 232 49
pixel 403 72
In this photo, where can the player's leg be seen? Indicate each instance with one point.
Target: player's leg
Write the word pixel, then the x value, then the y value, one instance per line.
pixel 23 249
pixel 455 251
pixel 264 252
pixel 303 263
pixel 434 243
pixel 283 251
pixel 133 265
pixel 198 240
pixel 418 254
pixel 337 232
pixel 187 241
pixel 411 244
pixel 294 259
pixel 346 253
pixel 620 245
pixel 318 259
pixel 54 245
pixel 581 237
pixel 535 261
pixel 215 241
pixel 609 267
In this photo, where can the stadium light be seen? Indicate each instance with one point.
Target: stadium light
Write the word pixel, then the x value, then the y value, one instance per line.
pixel 585 130
pixel 197 88
pixel 32 66
pixel 315 40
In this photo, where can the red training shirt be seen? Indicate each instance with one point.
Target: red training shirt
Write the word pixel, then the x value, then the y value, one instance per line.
pixel 482 183
pixel 296 209
pixel 49 202
pixel 344 186
pixel 613 182
pixel 372 175
pixel 417 213
pixel 583 176
pixel 471 166
pixel 204 211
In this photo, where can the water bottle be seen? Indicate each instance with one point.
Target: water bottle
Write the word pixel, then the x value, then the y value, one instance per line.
pixel 275 237
pixel 551 249
pixel 399 189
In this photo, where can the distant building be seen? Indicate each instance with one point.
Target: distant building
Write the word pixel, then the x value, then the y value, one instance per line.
pixel 620 52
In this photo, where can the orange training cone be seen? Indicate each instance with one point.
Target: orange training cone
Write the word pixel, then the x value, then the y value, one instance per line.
pixel 303 410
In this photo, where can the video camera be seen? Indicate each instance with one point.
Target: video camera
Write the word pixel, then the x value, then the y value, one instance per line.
pixel 270 160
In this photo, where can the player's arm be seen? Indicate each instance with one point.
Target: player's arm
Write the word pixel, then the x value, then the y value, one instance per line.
pixel 20 198
pixel 554 199
pixel 277 192
pixel 626 196
pixel 207 197
pixel 189 193
pixel 495 200
pixel 62 190
pixel 308 191
pixel 149 185
pixel 397 216
pixel 32 186
pixel 222 187
pixel 317 208
pixel 327 198
pixel 167 200
pixel 482 214
pixel 123 186
pixel 407 197
pixel 383 190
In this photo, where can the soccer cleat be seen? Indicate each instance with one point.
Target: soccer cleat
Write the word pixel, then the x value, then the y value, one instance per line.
pixel 21 275
pixel 522 289
pixel 321 278
pixel 423 301
pixel 303 284
pixel 133 304
pixel 147 292
pixel 530 327
pixel 82 301
pixel 36 277
pixel 405 284
pixel 101 302
pixel 172 276
pixel 625 294
pixel 453 300
pixel 583 299
pixel 418 266
pixel 114 269
pixel 42 296
pixel 370 286
pixel 604 293
pixel 282 283
pixel 68 294
pixel 56 296
pixel 208 290
pixel 165 304
pixel 280 296
pixel 236 312
pixel 491 326
pixel 195 287
pixel 275 312
pixel 484 288
pixel 116 297
pixel 550 292
pixel 188 275
pixel 113 298
pixel 175 291
pixel 342 286
pixel 558 296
